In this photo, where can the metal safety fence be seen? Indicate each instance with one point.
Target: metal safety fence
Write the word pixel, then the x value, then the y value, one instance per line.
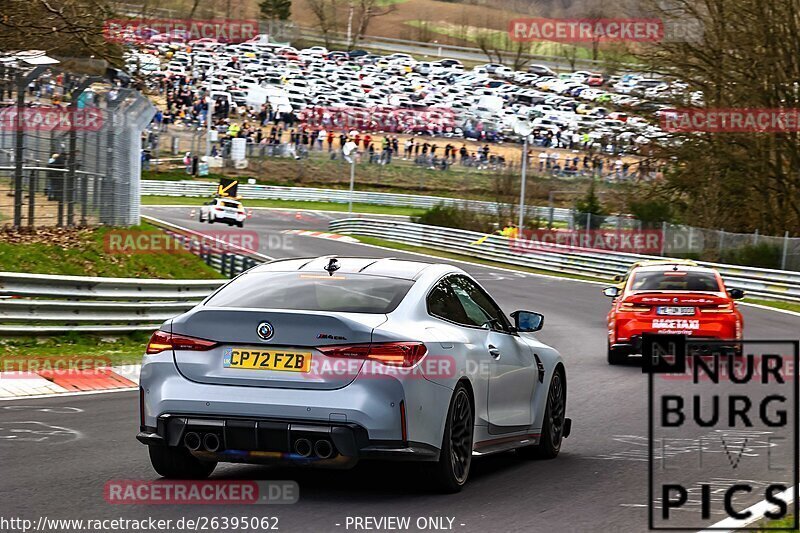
pixel 38 304
pixel 764 283
pixel 699 243
pixel 214 252
pixel 47 304
pixel 70 148
pixel 275 192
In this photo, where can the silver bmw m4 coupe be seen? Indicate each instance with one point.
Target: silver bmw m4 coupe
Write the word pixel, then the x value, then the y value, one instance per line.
pixel 328 361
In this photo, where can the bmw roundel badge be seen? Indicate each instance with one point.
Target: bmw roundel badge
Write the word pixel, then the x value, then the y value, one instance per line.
pixel 265 331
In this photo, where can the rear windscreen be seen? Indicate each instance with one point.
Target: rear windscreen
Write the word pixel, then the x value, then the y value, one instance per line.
pixel 231 204
pixel 345 293
pixel 675 281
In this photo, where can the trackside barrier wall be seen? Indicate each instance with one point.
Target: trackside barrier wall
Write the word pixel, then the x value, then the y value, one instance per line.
pixel 40 304
pixel 772 284
pixel 719 245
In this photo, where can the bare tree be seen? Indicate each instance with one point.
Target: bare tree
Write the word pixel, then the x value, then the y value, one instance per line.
pixel 725 67
pixel 61 27
pixel 569 53
pixel 324 12
pixel 500 48
pixel 488 45
pixel 364 11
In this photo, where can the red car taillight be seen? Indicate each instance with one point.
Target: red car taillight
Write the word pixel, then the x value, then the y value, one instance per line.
pixel 161 340
pixel 633 307
pixel 405 354
pixel 721 308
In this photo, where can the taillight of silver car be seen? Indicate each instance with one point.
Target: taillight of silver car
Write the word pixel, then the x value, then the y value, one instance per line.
pixel 162 340
pixel 405 354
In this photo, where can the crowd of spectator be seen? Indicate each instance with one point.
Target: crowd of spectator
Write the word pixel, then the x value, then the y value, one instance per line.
pixel 270 133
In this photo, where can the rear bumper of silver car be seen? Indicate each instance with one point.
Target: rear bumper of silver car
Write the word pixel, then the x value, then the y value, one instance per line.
pixel 244 439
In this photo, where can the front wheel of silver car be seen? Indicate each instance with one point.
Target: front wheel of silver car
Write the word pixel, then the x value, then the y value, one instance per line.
pixel 178 463
pixel 452 469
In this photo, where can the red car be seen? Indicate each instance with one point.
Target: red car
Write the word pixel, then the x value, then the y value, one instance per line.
pixel 676 299
pixel 595 80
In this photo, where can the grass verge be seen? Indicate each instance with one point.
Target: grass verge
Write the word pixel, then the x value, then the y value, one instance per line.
pixel 291 204
pixel 785 523
pixel 448 255
pixel 92 350
pixel 83 252
pixel 401 177
pixel 469 259
pixel 788 306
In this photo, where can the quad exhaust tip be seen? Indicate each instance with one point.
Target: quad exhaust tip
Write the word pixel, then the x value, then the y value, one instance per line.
pixel 323 449
pixel 192 441
pixel 302 447
pixel 211 442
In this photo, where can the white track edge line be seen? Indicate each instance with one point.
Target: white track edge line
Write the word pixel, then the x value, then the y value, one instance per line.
pixel 733 524
pixel 73 393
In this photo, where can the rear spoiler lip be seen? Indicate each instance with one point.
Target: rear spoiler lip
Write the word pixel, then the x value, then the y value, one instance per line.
pixel 669 297
pixel 177 325
pixel 721 294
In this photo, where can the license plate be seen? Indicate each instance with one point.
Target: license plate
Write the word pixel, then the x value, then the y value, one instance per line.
pixel 675 311
pixel 258 359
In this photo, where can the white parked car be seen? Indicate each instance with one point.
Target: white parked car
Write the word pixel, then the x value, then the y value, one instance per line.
pixel 314 51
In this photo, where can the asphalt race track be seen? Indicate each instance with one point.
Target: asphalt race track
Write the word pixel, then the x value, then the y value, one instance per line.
pixel 598 483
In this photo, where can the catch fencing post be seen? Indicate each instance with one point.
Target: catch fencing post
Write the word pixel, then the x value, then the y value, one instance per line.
pixel 785 250
pixel 352 186
pixel 69 188
pixel 663 237
pixel 22 82
pixel 84 183
pixel 32 197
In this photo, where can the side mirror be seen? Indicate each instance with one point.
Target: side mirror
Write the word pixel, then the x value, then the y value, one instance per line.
pixel 617 277
pixel 611 292
pixel 736 294
pixel 527 321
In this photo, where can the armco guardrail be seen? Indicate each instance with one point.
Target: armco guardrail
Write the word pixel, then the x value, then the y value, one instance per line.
pixel 209 249
pixel 764 283
pixel 47 304
pixel 388 44
pixel 272 192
